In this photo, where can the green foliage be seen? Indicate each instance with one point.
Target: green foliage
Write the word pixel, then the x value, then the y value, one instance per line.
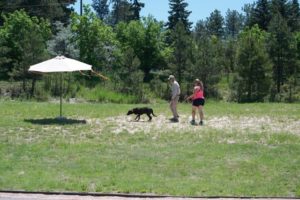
pixel 261 14
pixel 138 54
pixel 160 88
pixel 52 10
pixel 121 12
pixel 215 24
pixel 230 55
pixel 282 51
pixel 130 77
pixel 146 38
pixel 248 10
pixel 252 81
pixel 95 40
pixel 101 7
pixel 294 16
pixel 209 62
pixel 4 57
pixel 51 84
pixel 101 94
pixel 181 56
pixel 200 32
pixel 281 7
pixel 233 22
pixel 179 13
pixel 61 44
pixel 290 90
pixel 297 37
pixel 136 8
pixel 25 38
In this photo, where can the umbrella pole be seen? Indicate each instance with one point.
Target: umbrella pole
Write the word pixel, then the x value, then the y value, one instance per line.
pixel 61 78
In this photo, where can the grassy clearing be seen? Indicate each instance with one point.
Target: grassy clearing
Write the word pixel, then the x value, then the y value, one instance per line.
pixel 205 161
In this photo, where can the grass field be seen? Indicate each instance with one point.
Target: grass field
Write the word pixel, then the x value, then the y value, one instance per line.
pixel 243 150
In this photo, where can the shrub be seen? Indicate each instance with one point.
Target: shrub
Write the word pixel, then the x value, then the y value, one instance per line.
pixel 100 94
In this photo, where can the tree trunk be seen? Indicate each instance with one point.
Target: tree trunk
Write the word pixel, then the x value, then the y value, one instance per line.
pixel 32 86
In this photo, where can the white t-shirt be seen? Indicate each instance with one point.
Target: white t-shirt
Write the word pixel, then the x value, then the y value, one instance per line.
pixel 175 89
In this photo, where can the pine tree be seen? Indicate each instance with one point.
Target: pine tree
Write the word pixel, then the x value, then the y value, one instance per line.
pixel 208 64
pixel 252 81
pixel 181 46
pixel 130 74
pixel 215 24
pixel 230 56
pixel 280 6
pixel 281 51
pixel 294 16
pixel 233 22
pixel 4 58
pixel 248 10
pixel 200 32
pixel 54 10
pixel 261 14
pixel 120 11
pixel 178 13
pixel 101 7
pixel 136 7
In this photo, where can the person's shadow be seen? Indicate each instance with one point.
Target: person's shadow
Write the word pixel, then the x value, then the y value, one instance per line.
pixel 55 121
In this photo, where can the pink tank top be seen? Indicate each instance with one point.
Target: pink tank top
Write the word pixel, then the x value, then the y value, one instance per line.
pixel 198 93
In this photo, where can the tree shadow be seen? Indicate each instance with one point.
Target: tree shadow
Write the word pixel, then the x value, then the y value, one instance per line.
pixel 53 121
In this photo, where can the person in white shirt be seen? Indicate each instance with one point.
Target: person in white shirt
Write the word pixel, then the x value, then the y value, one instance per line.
pixel 175 97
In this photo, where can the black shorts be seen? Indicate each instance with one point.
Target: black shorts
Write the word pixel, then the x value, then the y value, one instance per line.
pixel 198 102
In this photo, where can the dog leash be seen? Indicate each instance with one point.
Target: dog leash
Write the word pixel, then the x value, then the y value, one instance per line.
pixel 96 74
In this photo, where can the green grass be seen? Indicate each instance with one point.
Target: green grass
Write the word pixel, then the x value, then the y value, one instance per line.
pixel 77 157
pixel 100 94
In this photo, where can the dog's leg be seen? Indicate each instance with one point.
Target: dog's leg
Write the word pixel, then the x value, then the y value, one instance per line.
pixel 150 118
pixel 153 113
pixel 137 117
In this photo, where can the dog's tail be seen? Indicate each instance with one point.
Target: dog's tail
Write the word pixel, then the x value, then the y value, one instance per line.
pixel 153 113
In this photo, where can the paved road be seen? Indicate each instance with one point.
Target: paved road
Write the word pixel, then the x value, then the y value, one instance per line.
pixel 10 196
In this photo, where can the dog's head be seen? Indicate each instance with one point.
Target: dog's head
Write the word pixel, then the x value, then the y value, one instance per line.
pixel 130 112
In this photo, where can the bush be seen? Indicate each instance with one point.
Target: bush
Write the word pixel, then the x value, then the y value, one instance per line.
pixel 40 94
pixel 159 88
pixel 100 94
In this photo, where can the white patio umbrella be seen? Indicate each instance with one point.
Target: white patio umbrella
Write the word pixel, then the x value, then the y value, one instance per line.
pixel 60 64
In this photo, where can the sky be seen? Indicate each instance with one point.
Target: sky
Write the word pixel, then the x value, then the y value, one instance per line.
pixel 201 9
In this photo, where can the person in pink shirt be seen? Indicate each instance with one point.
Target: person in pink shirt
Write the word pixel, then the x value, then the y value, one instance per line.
pixel 198 101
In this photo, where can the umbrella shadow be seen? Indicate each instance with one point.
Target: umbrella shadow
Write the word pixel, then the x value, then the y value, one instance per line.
pixel 55 121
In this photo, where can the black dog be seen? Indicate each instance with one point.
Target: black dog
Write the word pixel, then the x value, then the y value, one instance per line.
pixel 140 111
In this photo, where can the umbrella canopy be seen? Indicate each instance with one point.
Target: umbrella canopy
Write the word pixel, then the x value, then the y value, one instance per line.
pixel 60 64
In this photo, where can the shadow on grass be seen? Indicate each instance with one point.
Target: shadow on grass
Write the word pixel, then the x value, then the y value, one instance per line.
pixel 57 121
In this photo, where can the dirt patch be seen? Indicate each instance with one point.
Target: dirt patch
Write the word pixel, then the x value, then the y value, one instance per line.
pixel 94 128
pixel 162 124
pixel 256 124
